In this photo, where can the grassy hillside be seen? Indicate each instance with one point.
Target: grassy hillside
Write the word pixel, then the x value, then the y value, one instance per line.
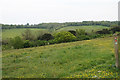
pixel 10 33
pixel 87 28
pixel 82 59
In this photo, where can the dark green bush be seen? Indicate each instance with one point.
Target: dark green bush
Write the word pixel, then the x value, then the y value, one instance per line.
pixel 47 36
pixel 73 32
pixel 26 44
pixel 40 43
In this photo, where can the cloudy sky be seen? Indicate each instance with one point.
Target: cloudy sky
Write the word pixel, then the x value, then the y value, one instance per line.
pixel 38 11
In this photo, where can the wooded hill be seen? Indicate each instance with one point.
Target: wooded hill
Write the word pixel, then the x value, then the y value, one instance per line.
pixel 56 26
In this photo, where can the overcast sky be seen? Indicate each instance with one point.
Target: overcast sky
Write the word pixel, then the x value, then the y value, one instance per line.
pixel 38 11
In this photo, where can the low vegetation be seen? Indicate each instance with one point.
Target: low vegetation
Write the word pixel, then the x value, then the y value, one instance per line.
pixel 81 59
pixel 60 50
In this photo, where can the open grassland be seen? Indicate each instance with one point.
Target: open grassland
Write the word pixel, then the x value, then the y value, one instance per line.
pixel 81 59
pixel 11 33
pixel 86 28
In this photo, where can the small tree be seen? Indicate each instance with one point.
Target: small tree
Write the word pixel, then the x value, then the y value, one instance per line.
pixel 27 35
pixel 40 34
pixel 80 32
pixel 47 36
pixel 17 42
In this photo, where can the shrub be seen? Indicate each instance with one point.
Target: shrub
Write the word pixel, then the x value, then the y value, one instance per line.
pixel 47 36
pixel 40 43
pixel 115 29
pixel 26 44
pixel 104 31
pixel 27 35
pixel 83 37
pixel 52 41
pixel 17 42
pixel 80 32
pixel 39 34
pixel 64 37
pixel 73 32
pixel 6 41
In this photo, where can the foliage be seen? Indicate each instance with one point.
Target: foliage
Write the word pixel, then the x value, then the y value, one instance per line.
pixel 73 32
pixel 40 34
pixel 56 26
pixel 40 43
pixel 64 37
pixel 47 37
pixel 17 42
pixel 26 44
pixel 115 29
pixel 27 35
pixel 104 31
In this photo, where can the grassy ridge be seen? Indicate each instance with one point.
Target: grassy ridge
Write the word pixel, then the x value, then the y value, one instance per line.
pixel 86 28
pixel 90 58
pixel 11 33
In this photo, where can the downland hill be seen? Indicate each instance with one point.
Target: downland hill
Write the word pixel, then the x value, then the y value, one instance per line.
pixel 91 56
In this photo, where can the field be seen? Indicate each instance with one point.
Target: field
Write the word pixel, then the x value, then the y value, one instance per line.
pixel 86 28
pixel 81 59
pixel 11 33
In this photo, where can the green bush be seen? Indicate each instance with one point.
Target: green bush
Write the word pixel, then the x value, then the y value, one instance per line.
pixel 47 36
pixel 64 37
pixel 52 41
pixel 83 37
pixel 27 35
pixel 40 43
pixel 80 32
pixel 26 44
pixel 17 42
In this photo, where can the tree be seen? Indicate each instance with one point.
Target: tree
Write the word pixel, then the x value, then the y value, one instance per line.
pixel 47 36
pixel 17 42
pixel 80 32
pixel 27 35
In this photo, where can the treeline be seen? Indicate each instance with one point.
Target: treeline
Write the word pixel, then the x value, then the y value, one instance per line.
pixel 56 26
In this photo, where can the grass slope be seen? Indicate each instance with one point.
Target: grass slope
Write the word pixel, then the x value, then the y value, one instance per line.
pixel 11 33
pixel 87 28
pixel 81 59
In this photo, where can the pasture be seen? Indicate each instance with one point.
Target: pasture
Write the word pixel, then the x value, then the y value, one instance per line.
pixel 86 28
pixel 81 59
pixel 11 33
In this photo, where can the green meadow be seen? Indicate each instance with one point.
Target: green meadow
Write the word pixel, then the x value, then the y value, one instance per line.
pixel 86 28
pixel 82 59
pixel 11 33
